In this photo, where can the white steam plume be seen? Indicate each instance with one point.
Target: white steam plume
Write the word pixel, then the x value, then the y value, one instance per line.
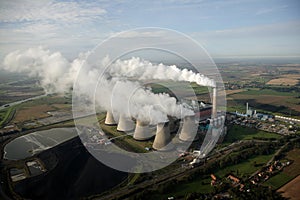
pixel 38 62
pixel 145 70
pixel 145 105
pixel 56 74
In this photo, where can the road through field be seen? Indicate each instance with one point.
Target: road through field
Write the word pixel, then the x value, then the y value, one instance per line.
pixel 21 101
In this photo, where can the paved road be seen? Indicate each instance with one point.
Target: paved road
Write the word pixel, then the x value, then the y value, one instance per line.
pixel 21 101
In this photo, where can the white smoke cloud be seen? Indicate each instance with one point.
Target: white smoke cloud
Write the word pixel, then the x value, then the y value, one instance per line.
pixel 115 91
pixel 145 70
pixel 145 105
pixel 40 63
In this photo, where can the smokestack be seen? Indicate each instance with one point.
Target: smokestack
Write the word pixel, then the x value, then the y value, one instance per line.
pixel 162 137
pixel 189 129
pixel 125 124
pixel 109 120
pixel 247 108
pixel 142 131
pixel 214 101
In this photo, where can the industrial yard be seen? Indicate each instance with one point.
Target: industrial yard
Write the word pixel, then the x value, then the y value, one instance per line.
pixel 250 143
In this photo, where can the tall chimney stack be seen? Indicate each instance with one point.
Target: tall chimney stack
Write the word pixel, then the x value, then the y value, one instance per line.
pixel 125 124
pixel 214 102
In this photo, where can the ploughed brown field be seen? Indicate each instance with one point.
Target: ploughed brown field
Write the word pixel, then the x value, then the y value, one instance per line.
pixel 291 189
pixel 287 79
pixel 31 113
pixel 294 169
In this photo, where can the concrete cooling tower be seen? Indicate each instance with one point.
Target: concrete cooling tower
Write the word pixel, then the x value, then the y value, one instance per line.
pixel 125 124
pixel 142 131
pixel 189 129
pixel 109 120
pixel 162 137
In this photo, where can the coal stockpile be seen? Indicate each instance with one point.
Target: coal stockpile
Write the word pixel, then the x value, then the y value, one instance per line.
pixel 72 174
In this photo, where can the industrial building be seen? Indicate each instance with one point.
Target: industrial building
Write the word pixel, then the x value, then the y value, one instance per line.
pixel 188 127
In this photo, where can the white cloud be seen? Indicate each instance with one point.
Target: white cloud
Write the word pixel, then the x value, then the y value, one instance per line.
pixel 138 34
pixel 26 23
pixel 26 11
pixel 270 10
pixel 46 29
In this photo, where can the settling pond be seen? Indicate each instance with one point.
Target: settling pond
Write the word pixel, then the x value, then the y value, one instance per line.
pixel 33 143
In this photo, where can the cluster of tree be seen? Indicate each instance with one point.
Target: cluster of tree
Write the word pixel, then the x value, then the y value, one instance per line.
pixel 196 195
pixel 290 143
pixel 255 192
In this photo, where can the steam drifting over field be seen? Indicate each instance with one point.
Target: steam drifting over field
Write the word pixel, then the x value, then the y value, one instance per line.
pixel 118 88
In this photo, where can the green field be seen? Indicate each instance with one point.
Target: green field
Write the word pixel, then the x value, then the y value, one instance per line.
pixel 288 172
pixel 126 142
pixel 267 92
pixel 278 180
pixel 201 185
pixel 245 168
pixel 6 115
pixel 236 133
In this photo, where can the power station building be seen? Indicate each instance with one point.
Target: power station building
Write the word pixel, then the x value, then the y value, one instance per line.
pixel 187 127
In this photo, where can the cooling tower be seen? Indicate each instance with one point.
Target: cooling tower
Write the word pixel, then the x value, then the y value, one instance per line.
pixel 189 129
pixel 215 122
pixel 142 131
pixel 162 137
pixel 125 124
pixel 109 120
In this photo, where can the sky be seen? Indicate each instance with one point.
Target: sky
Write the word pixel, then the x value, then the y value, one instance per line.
pixel 225 28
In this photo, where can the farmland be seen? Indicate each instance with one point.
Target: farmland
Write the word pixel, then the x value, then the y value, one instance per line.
pixel 288 172
pixel 291 189
pixel 243 133
pixel 251 85
pixel 266 99
pixel 17 90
